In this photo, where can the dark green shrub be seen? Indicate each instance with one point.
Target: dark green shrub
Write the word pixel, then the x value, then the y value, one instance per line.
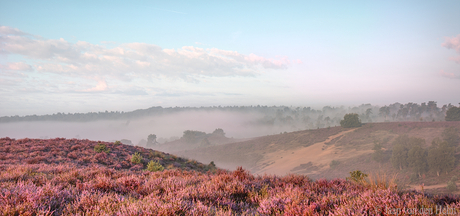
pixel 100 147
pixel 350 120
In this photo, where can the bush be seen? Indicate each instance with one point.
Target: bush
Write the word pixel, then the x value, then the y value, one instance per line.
pixel 357 176
pixel 154 166
pixel 100 147
pixel 451 186
pixel 413 177
pixel 350 120
pixel 334 164
pixel 136 158
pixel 453 114
pixel 117 142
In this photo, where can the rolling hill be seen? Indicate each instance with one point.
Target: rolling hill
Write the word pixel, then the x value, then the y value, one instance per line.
pixel 82 177
pixel 311 152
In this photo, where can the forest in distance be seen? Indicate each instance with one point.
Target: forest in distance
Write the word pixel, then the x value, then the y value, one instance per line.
pixel 314 118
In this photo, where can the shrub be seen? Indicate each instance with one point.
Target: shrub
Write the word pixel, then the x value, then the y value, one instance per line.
pixel 334 164
pixel 136 158
pixel 117 142
pixel 154 166
pixel 350 120
pixel 357 176
pixel 451 186
pixel 453 114
pixel 100 147
pixel 413 177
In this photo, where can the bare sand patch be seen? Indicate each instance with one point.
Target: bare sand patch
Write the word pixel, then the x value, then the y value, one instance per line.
pixel 315 158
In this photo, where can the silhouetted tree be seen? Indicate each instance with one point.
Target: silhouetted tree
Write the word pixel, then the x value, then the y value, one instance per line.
pixel 350 120
pixel 453 114
pixel 152 139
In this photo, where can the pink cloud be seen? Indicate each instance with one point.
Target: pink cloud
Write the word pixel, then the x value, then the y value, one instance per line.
pixel 17 66
pixel 84 59
pixel 100 86
pixel 448 75
pixel 452 43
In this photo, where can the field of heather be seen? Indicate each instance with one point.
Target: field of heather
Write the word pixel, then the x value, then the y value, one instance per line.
pixel 82 177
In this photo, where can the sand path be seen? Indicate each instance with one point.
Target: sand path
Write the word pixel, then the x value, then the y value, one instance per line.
pixel 319 154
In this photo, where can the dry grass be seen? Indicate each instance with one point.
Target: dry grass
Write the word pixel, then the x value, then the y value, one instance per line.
pixel 380 180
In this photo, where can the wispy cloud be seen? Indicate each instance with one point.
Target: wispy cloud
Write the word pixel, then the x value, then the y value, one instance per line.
pixel 448 75
pixel 453 43
pixel 132 60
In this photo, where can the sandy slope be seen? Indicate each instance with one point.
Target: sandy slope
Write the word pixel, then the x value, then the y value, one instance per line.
pixel 319 154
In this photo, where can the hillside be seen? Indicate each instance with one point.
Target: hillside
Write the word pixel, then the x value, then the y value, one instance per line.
pixel 311 152
pixel 69 177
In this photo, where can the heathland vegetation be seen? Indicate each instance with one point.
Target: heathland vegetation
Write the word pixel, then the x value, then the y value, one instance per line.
pixel 82 177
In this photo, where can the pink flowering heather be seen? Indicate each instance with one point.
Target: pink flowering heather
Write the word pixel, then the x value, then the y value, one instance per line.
pixel 55 182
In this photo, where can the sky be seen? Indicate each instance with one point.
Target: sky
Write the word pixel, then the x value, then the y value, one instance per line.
pixel 89 56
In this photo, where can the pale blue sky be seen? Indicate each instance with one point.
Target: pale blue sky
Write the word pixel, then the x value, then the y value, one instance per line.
pixel 81 56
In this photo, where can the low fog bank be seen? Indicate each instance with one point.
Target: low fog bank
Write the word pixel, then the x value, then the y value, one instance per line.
pixel 169 124
pixel 167 127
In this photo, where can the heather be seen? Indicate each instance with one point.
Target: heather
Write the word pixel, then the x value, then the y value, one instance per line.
pixel 61 185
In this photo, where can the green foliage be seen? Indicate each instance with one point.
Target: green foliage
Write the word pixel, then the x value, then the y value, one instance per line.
pixel 154 166
pixel 100 147
pixel 378 154
pixel 117 142
pixel 451 186
pixel 417 155
pixel 334 164
pixel 136 158
pixel 350 120
pixel 451 136
pixel 400 150
pixel 441 157
pixel 357 176
pixel 453 114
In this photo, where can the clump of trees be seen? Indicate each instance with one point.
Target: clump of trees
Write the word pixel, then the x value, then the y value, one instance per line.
pixel 453 114
pixel 350 120
pixel 409 152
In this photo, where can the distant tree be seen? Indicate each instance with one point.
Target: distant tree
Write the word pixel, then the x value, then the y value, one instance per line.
pixel 378 154
pixel 193 136
pixel 453 114
pixel 441 156
pixel 350 120
pixel 152 140
pixel 219 132
pixel 452 185
pixel 417 156
pixel 451 136
pixel 400 150
pixel 384 111
pixel 126 142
